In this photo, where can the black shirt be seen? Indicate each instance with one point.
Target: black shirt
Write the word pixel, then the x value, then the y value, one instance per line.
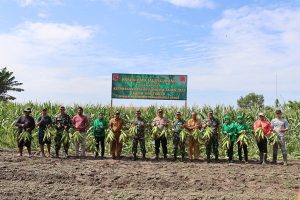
pixel 27 121
pixel 44 122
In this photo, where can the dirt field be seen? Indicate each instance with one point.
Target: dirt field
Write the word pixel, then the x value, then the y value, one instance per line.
pixel 45 178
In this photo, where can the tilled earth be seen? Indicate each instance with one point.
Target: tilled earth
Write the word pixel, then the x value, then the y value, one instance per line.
pixel 50 178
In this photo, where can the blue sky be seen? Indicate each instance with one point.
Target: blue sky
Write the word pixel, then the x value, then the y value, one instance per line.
pixel 65 50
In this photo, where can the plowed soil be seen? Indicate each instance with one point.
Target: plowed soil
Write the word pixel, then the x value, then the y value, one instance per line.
pixel 51 178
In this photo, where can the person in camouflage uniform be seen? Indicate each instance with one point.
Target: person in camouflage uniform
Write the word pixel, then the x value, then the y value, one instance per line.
pixel 178 125
pixel 62 122
pixel 213 123
pixel 140 136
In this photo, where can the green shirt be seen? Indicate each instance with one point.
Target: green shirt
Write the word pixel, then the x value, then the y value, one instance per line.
pixel 229 129
pixel 241 127
pixel 99 127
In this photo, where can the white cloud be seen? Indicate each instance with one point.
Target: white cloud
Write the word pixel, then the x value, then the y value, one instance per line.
pixel 192 3
pixel 248 46
pixel 25 3
pixel 153 16
pixel 46 57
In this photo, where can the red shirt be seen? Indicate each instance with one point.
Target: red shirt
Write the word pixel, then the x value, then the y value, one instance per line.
pixel 265 125
pixel 80 122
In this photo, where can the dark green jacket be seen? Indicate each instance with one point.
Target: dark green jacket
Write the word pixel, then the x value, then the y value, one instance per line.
pixel 99 127
pixel 230 129
pixel 241 127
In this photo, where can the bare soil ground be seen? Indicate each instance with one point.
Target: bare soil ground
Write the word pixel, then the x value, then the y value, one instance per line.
pixel 50 178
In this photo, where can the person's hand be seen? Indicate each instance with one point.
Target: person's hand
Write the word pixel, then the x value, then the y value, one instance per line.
pixel 58 126
pixel 27 129
pixel 22 125
pixel 101 126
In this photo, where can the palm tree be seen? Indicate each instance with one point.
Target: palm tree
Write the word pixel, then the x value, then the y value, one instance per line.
pixel 8 83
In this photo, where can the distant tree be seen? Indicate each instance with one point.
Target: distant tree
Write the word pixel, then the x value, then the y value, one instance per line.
pixel 7 84
pixel 251 100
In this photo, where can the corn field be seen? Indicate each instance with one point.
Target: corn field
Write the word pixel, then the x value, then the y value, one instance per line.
pixel 9 112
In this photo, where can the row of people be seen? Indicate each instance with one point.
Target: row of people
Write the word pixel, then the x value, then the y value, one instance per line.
pixel 116 124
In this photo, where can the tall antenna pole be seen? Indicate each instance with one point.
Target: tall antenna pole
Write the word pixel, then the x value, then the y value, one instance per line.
pixel 276 87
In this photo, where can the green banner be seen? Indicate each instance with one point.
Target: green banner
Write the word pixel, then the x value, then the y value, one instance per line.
pixel 148 86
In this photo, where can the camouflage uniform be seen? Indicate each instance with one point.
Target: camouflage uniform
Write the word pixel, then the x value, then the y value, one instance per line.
pixel 214 141
pixel 139 137
pixel 62 120
pixel 178 126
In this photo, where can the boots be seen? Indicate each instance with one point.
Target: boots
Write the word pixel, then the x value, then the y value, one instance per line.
pixel 274 161
pixel 144 156
pixel 134 157
pixel 182 157
pixel 285 159
pixel 57 153
pixel 261 157
pixel 208 159
pixel 175 157
pixel 156 157
pixel 96 154
pixel 264 159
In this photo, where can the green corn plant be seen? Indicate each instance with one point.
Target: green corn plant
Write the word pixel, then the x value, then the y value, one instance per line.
pixel 197 135
pixel 165 132
pixel 226 142
pixel 91 145
pixel 155 132
pixel 76 137
pixel 208 133
pixel 25 136
pixel 183 135
pixel 66 136
pixel 123 136
pixel 243 138
pixel 49 134
pixel 259 134
pixel 110 136
pixel 273 138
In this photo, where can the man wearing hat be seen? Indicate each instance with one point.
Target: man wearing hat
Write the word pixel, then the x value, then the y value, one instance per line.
pixel 43 123
pixel 25 123
pixel 214 124
pixel 99 127
pixel 280 126
pixel 62 122
pixel 116 124
pixel 140 135
pixel 161 122
pixel 192 125
pixel 262 144
pixel 178 125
